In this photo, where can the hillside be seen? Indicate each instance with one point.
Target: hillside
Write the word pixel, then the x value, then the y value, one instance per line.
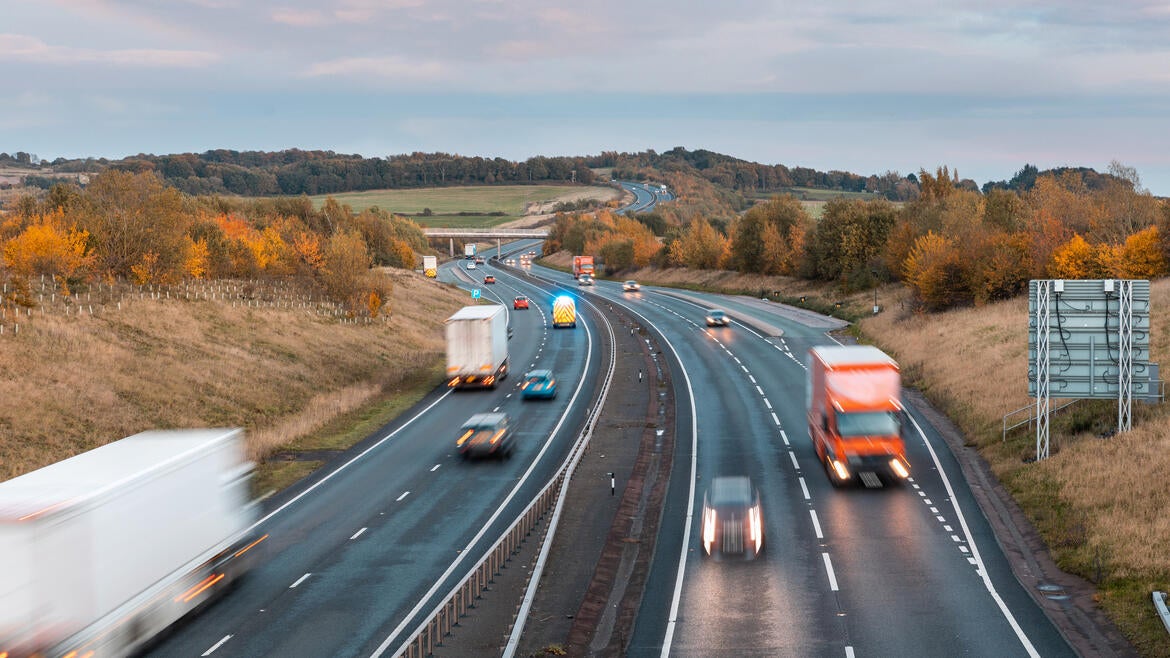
pixel 241 354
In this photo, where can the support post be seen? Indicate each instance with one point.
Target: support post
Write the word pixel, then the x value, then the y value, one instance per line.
pixel 1043 323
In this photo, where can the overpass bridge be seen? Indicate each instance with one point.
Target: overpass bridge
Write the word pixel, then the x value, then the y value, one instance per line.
pixel 485 234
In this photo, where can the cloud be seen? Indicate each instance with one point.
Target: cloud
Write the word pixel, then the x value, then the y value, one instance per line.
pixel 300 17
pixel 30 49
pixel 392 67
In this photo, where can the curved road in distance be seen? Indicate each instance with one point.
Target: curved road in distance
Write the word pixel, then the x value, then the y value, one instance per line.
pixel 360 551
pixel 904 570
pixel 645 196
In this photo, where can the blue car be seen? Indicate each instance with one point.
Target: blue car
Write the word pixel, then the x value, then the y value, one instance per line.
pixel 539 384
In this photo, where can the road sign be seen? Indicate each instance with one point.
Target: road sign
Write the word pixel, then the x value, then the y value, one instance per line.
pixel 475 293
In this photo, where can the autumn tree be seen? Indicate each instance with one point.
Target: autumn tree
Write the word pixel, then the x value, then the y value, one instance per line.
pixel 999 266
pixel 347 259
pixel 848 241
pixel 700 247
pixel 131 215
pixel 934 271
pixel 748 250
pixel 1140 257
pixel 45 247
pixel 1076 259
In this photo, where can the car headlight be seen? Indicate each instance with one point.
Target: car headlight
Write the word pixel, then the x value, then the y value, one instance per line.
pixel 708 530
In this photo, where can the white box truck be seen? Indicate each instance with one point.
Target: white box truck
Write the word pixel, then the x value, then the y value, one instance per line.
pixel 431 266
pixel 477 346
pixel 104 550
pixel 469 251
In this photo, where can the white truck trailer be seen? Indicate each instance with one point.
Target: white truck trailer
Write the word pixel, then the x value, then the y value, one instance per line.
pixel 477 346
pixel 104 550
pixel 431 266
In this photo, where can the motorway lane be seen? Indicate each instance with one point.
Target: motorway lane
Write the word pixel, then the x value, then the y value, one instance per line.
pixel 644 198
pixel 901 561
pixel 368 540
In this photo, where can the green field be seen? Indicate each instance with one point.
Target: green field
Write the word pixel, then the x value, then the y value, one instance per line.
pixel 445 203
pixel 814 199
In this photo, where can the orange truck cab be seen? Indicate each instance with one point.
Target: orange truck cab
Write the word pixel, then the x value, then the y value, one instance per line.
pixel 582 265
pixel 855 413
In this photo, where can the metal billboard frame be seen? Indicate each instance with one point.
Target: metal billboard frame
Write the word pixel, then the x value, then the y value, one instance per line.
pixel 1068 321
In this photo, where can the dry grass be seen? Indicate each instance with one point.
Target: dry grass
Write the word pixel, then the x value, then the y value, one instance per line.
pixel 1099 502
pixel 69 383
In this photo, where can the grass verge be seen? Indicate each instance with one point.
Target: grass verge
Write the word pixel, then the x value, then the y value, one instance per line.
pixel 296 460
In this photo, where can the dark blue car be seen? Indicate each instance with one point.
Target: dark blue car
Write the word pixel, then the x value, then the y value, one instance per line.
pixel 539 384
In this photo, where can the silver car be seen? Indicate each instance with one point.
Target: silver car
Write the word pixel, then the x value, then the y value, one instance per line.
pixel 733 521
pixel 717 318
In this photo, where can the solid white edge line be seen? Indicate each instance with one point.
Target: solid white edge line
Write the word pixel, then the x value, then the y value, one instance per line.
pixel 347 464
pixel 816 524
pixel 499 510
pixel 672 618
pixel 1023 637
pixel 300 580
pixel 216 646
pixel 804 489
pixel 829 572
pixel 358 533
pixel 404 495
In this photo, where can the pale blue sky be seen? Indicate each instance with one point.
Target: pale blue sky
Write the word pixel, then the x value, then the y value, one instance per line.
pixel 980 86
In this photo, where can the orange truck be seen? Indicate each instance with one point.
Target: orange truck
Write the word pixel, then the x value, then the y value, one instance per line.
pixel 582 265
pixel 855 413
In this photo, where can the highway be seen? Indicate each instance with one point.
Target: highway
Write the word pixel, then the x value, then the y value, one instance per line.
pixel 645 196
pixel 360 551
pixel 901 570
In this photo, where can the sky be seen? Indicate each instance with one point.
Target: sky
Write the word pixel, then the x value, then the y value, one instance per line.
pixel 980 86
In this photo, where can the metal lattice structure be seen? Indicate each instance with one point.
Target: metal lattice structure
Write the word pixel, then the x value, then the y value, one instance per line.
pixel 1089 339
pixel 1043 363
pixel 1125 356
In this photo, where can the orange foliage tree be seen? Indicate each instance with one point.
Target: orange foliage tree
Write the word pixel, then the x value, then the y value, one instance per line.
pixel 1076 259
pixel 934 270
pixel 45 248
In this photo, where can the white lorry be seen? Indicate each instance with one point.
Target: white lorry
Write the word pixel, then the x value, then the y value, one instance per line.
pixel 106 549
pixel 431 266
pixel 477 346
pixel 469 251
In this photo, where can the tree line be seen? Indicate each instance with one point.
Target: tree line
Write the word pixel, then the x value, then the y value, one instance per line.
pixel 133 226
pixel 952 245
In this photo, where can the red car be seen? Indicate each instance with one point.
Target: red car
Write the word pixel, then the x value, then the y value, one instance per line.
pixel 489 279
pixel 521 302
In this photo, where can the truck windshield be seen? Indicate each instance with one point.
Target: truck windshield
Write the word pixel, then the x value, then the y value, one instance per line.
pixel 868 423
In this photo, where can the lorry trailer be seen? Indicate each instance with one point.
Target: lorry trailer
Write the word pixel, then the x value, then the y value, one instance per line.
pixel 477 347
pixel 104 550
